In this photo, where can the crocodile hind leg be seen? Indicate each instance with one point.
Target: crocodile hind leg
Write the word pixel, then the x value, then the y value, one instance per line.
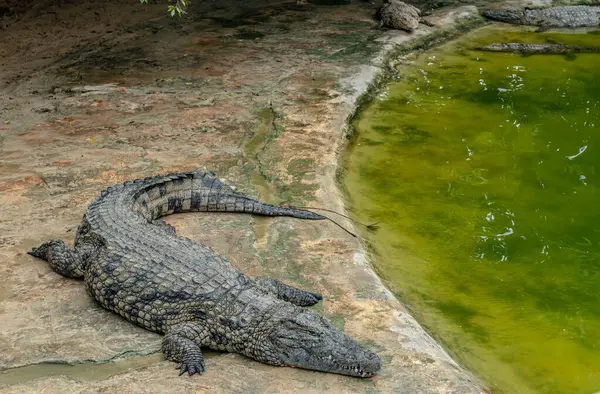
pixel 182 345
pixel 286 292
pixel 62 259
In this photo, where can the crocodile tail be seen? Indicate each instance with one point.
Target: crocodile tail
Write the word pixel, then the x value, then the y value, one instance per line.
pixel 203 191
pixel 259 208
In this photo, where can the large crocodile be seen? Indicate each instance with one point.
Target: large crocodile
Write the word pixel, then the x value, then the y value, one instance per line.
pixel 563 16
pixel 535 49
pixel 135 265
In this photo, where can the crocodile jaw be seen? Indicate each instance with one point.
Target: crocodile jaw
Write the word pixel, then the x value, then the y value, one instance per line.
pixel 307 340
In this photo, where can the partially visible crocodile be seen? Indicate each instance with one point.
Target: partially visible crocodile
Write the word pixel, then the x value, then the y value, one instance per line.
pixel 135 265
pixel 534 49
pixel 563 16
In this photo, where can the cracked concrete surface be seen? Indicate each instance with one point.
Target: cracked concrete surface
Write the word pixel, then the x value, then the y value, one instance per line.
pixel 258 94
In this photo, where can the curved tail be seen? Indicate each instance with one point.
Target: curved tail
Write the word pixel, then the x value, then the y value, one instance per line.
pixel 201 190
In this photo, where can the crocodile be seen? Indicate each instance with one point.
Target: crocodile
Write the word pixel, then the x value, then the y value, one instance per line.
pixel 534 49
pixel 135 265
pixel 563 16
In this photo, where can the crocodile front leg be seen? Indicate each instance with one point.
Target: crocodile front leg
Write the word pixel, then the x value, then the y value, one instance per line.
pixel 286 292
pixel 182 345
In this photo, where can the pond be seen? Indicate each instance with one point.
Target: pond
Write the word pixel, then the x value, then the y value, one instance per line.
pixel 480 169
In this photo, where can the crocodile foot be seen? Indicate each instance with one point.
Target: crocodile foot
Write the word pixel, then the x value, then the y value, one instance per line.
pixel 61 257
pixel 191 367
pixel 286 292
pixel 182 345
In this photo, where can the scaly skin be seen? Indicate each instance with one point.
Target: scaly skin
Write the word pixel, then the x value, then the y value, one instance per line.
pixel 135 265
pixel 534 49
pixel 564 16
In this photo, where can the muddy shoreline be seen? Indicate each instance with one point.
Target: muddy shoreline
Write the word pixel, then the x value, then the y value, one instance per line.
pixel 261 96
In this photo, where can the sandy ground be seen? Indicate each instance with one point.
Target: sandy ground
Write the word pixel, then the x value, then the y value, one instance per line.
pixel 95 93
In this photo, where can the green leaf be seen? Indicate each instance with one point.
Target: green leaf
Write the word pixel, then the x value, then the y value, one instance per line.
pixel 179 8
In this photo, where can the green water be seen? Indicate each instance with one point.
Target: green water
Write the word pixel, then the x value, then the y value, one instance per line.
pixel 481 170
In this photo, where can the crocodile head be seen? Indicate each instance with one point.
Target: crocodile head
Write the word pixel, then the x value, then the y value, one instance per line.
pixel 509 15
pixel 307 340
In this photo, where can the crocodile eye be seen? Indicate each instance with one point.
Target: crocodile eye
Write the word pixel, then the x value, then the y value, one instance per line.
pixel 298 328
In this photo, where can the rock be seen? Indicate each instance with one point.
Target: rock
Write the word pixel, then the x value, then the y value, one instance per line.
pixel 399 15
pixel 44 109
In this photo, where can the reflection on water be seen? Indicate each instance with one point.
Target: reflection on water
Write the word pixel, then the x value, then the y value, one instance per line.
pixel 481 169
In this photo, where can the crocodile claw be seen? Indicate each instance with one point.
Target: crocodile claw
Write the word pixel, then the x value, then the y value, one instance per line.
pixel 310 299
pixel 191 367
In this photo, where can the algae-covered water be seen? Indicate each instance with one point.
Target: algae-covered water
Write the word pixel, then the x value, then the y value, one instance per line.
pixel 483 171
